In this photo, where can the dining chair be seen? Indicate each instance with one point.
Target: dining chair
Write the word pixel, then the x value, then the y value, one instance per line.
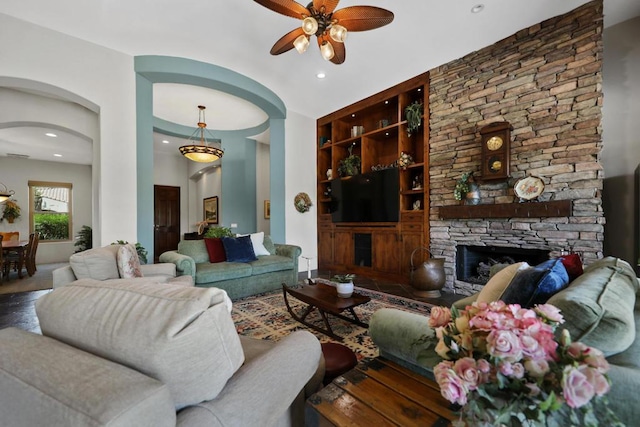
pixel 30 259
pixel 12 258
pixel 10 235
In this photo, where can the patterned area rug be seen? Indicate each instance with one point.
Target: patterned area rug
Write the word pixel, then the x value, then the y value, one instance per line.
pixel 265 316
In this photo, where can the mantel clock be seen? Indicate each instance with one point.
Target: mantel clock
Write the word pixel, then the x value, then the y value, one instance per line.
pixel 496 143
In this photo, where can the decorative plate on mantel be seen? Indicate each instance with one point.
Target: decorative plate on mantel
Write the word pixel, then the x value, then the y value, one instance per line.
pixel 529 188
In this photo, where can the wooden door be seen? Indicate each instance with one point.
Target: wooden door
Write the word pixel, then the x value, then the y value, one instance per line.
pixel 343 248
pixel 386 251
pixel 325 246
pixel 166 218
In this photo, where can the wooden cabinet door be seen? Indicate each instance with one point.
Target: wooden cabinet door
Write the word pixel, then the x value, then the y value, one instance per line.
pixel 325 246
pixel 411 241
pixel 385 246
pixel 343 248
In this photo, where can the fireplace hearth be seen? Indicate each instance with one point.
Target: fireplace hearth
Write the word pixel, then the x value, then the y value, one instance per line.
pixel 473 263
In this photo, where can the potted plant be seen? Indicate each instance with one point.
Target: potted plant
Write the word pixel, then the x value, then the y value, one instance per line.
pixel 349 166
pixel 11 211
pixel 413 114
pixel 344 284
pixel 218 232
pixel 467 189
pixel 84 239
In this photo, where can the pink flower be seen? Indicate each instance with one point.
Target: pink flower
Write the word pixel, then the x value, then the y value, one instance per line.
pixel 591 356
pixel 518 370
pixel 576 388
pixel 467 370
pixel 505 369
pixel 550 312
pixel 439 316
pixel 531 348
pixel 537 368
pixel 484 366
pixel 452 387
pixel 596 379
pixel 504 345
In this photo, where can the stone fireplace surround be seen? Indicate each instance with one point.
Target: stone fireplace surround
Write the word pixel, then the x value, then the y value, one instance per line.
pixel 546 82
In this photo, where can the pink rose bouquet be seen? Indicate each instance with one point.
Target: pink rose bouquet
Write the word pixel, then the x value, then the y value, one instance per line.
pixel 503 366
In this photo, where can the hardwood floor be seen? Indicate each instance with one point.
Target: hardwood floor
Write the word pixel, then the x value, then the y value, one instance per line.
pixel 18 309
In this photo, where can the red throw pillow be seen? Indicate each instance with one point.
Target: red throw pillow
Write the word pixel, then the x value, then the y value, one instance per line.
pixel 215 248
pixel 573 264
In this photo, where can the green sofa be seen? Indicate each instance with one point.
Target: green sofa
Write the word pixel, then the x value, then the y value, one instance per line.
pixel 600 307
pixel 239 279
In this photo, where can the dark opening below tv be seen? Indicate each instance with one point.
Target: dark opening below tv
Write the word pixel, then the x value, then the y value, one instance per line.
pixel 368 197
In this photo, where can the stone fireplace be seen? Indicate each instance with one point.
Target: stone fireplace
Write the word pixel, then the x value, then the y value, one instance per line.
pixel 546 82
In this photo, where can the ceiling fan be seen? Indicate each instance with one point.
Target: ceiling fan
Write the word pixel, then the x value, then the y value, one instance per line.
pixel 330 26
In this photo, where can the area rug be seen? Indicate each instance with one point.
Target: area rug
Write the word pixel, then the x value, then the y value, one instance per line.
pixel 265 316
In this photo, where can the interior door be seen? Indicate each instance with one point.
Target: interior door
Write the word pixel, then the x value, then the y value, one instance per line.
pixel 166 217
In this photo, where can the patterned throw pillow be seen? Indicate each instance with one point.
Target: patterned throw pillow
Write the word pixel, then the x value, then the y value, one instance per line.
pixel 128 262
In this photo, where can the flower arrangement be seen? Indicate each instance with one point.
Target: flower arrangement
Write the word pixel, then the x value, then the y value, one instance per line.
pixel 413 114
pixel 405 160
pixel 462 186
pixel 350 165
pixel 503 366
pixel 11 211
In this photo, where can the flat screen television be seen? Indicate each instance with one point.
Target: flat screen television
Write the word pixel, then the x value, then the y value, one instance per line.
pixel 368 197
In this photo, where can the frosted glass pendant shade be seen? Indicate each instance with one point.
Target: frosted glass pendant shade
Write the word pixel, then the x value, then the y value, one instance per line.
pixel 338 33
pixel 301 43
pixel 327 51
pixel 309 25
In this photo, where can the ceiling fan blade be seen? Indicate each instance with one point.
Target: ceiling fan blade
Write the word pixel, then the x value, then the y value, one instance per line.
pixel 329 5
pixel 285 43
pixel 286 7
pixel 362 18
pixel 339 51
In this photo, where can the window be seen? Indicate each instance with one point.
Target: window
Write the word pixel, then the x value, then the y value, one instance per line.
pixel 50 210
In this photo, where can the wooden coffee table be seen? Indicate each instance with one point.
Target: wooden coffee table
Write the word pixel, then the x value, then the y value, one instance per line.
pixel 325 299
pixel 379 393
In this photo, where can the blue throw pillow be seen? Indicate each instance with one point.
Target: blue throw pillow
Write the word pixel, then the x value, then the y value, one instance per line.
pixel 537 284
pixel 238 249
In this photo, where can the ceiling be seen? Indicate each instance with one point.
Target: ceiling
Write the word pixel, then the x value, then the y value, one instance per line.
pixel 238 34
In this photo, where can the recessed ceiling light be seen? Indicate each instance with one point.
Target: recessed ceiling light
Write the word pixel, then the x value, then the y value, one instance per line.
pixel 321 75
pixel 164 141
pixel 477 8
pixel 57 155
pixel 51 135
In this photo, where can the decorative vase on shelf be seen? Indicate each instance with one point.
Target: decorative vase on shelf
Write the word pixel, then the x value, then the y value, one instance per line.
pixel 473 195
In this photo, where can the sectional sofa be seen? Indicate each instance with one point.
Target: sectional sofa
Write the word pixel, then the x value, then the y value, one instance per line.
pixel 600 307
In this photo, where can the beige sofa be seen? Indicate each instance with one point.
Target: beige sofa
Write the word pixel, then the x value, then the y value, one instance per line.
pixel 100 264
pixel 117 353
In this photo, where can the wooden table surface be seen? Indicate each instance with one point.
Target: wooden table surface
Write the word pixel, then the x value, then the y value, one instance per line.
pixel 379 393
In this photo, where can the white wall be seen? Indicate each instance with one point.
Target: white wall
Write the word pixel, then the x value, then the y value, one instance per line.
pixel 15 174
pixel 621 137
pixel 171 170
pixel 103 77
pixel 300 176
pixel 262 186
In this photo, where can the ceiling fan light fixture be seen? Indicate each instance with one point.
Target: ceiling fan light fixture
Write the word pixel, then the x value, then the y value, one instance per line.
pixel 326 50
pixel 309 25
pixel 202 152
pixel 338 33
pixel 5 194
pixel 301 43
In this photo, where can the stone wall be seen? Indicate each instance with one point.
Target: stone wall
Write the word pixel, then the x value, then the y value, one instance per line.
pixel 546 81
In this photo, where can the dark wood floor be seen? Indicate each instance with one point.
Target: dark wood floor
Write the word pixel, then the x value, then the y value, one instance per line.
pixel 19 309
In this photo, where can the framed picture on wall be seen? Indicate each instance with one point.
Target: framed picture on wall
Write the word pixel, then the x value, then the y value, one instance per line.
pixel 267 209
pixel 210 210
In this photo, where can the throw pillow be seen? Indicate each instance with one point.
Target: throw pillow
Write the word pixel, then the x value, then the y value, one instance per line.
pixel 268 244
pixel 497 284
pixel 215 248
pixel 96 263
pixel 598 307
pixel 257 241
pixel 128 262
pixel 536 285
pixel 239 249
pixel 181 336
pixel 573 264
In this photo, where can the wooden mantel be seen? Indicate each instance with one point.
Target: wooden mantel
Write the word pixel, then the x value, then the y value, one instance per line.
pixel 556 208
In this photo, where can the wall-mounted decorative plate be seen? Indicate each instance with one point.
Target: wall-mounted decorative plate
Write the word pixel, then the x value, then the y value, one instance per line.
pixel 302 202
pixel 529 188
